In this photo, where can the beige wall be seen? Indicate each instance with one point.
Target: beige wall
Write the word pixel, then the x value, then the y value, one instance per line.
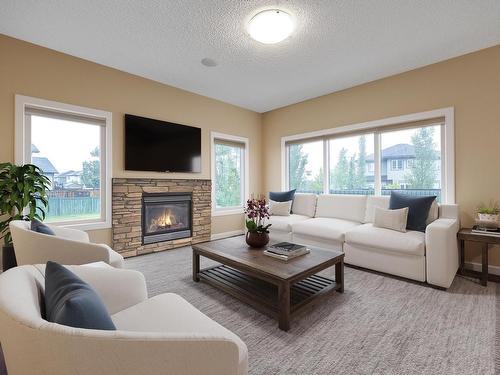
pixel 40 72
pixel 470 83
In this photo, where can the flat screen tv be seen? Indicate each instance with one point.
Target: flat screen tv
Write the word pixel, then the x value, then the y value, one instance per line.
pixel 160 146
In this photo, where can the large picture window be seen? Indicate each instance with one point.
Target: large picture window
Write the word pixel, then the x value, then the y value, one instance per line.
pixel 411 160
pixel 349 171
pixel 306 170
pixel 229 171
pixel 414 157
pixel 71 147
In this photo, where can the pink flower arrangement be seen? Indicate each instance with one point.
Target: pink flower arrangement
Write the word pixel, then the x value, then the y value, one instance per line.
pixel 257 212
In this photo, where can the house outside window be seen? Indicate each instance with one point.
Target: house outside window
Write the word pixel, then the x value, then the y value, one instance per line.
pixel 72 147
pixel 229 174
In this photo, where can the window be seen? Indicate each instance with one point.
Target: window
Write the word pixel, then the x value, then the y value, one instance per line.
pixel 72 147
pixel 419 149
pixel 412 153
pixel 229 174
pixel 396 165
pixel 305 172
pixel 348 160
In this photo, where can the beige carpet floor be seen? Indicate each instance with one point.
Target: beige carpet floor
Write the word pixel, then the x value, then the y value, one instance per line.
pixel 380 325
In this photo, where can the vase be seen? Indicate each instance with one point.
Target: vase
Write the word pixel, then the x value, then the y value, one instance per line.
pixel 493 218
pixel 257 240
pixel 8 257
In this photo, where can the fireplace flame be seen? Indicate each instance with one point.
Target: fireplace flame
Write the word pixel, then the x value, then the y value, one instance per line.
pixel 165 220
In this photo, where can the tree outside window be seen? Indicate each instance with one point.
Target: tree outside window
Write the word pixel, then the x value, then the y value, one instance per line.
pixel 228 176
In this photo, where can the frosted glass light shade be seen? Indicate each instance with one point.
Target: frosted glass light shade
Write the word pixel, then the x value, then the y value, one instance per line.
pixel 270 26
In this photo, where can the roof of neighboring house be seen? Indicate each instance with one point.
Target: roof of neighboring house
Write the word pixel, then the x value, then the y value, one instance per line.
pixel 399 151
pixel 44 164
pixel 34 149
pixel 70 173
pixel 73 186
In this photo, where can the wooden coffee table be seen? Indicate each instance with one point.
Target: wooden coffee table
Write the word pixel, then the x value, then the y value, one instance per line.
pixel 272 286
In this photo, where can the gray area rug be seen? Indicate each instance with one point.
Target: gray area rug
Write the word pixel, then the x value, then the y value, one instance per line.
pixel 380 325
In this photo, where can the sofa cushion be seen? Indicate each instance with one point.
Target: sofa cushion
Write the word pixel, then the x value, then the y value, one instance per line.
pixel 282 196
pixel 325 228
pixel 373 202
pixel 40 227
pixel 280 208
pixel 172 314
pixel 70 301
pixel 418 209
pixel 348 207
pixel 284 223
pixel 411 242
pixel 433 212
pixel 304 204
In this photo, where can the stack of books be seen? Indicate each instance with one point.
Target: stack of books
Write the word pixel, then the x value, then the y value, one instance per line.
pixel 488 231
pixel 286 250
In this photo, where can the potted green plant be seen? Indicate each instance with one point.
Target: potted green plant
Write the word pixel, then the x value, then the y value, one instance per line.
pixel 488 213
pixel 256 214
pixel 23 196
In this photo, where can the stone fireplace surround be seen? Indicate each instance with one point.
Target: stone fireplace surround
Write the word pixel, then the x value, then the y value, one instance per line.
pixel 127 211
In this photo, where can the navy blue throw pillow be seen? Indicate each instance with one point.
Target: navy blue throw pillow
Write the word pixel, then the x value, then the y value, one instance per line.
pixel 40 227
pixel 70 301
pixel 418 209
pixel 282 196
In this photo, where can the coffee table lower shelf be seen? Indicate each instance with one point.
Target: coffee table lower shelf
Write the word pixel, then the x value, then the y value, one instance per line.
pixel 263 295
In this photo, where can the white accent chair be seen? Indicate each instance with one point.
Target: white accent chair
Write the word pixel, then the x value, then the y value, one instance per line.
pixel 160 335
pixel 68 246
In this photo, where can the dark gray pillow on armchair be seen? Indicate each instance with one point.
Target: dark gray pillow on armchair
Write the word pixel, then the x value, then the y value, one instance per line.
pixel 40 227
pixel 70 301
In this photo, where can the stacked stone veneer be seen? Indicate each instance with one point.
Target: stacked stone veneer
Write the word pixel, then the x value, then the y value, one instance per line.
pixel 127 211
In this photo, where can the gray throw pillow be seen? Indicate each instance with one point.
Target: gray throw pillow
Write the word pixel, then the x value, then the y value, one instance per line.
pixel 70 301
pixel 40 227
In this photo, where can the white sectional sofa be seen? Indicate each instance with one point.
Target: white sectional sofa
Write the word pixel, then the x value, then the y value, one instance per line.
pixel 344 222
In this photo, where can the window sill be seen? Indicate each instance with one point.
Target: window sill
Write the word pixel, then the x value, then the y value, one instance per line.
pixel 220 212
pixel 83 226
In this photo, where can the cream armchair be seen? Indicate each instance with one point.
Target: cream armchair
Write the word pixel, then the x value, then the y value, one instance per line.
pixel 68 246
pixel 160 335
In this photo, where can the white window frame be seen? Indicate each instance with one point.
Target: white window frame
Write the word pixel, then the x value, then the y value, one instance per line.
pixel 23 150
pixel 447 146
pixel 395 164
pixel 245 175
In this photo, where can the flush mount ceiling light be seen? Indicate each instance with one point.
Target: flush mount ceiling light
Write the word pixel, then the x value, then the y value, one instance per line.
pixel 270 26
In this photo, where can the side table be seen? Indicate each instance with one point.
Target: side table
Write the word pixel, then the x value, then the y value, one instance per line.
pixel 466 234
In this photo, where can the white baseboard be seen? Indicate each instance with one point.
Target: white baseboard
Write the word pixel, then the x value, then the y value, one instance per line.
pixel 494 270
pixel 219 236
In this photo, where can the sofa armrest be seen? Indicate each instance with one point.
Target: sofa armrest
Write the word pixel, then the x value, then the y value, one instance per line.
pixel 36 248
pixel 70 234
pixel 63 350
pixel 441 255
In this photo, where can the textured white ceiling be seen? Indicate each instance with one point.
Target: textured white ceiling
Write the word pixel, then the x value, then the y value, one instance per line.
pixel 337 43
